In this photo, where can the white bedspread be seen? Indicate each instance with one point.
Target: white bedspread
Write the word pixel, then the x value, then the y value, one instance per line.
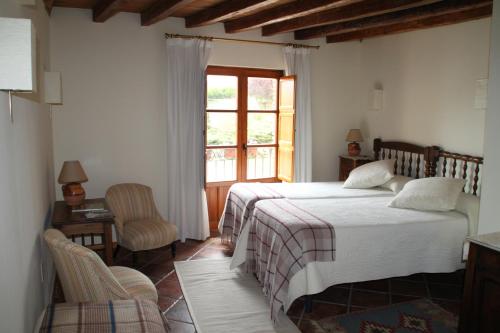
pixel 374 241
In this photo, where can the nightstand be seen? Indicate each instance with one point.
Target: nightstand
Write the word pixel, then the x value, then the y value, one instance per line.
pixel 348 163
pixel 77 225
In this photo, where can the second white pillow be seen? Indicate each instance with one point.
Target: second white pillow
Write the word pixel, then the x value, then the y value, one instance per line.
pixel 434 193
pixel 371 174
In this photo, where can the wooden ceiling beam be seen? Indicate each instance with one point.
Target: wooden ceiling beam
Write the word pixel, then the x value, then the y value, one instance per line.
pixel 429 22
pixel 283 12
pixel 49 4
pixel 104 9
pixel 419 13
pixel 341 14
pixel 225 11
pixel 161 9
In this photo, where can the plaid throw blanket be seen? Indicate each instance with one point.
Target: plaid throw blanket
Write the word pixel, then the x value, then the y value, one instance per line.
pixel 283 239
pixel 125 316
pixel 240 202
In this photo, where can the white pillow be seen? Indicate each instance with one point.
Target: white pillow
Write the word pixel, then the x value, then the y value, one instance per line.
pixel 371 174
pixel 435 193
pixel 397 183
pixel 468 204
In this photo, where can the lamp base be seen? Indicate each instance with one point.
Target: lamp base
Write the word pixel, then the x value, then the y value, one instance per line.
pixel 73 193
pixel 353 149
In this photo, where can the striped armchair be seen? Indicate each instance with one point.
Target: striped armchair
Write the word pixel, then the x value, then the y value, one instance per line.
pixel 138 223
pixel 85 278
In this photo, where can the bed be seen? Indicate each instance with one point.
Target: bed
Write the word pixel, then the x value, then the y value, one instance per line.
pixel 334 240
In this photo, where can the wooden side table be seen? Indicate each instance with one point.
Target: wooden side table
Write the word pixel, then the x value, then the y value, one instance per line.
pixel 348 163
pixel 75 225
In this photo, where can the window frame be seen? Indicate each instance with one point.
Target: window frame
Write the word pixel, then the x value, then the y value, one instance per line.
pixel 242 115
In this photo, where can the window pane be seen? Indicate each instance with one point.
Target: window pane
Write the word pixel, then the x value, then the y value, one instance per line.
pixel 261 128
pixel 221 164
pixel 221 128
pixel 261 162
pixel 222 92
pixel 262 93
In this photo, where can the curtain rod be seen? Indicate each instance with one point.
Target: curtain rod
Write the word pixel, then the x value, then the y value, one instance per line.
pixel 167 35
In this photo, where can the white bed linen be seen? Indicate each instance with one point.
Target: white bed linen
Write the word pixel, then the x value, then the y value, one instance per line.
pixel 313 190
pixel 374 241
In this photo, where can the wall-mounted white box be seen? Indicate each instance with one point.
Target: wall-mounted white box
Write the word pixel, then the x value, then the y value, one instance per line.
pixel 17 54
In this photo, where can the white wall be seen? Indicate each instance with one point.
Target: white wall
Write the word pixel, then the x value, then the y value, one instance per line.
pixel 489 221
pixel 428 78
pixel 114 102
pixel 26 193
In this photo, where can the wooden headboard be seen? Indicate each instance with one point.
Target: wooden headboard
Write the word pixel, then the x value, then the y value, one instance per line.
pixel 431 161
pixel 411 160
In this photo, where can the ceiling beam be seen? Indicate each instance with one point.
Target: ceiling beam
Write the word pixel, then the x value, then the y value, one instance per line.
pixel 283 12
pixel 439 20
pixel 161 9
pixel 104 9
pixel 48 5
pixel 225 11
pixel 341 14
pixel 419 13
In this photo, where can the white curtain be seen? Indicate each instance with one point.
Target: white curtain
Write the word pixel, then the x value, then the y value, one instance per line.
pixel 186 202
pixel 297 62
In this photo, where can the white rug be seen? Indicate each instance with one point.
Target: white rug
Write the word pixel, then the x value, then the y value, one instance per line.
pixel 221 300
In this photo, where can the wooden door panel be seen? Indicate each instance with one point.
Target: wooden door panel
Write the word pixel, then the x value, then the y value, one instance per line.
pixel 286 128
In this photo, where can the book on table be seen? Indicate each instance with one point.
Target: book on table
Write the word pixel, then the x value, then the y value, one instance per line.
pixel 90 207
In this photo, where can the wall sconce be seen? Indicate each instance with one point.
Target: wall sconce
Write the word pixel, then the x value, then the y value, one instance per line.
pixel 53 88
pixel 17 57
pixel 377 99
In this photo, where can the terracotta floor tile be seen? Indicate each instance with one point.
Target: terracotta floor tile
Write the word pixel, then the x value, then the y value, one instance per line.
pixel 376 285
pixel 369 299
pixel 357 309
pixel 169 287
pixel 419 277
pixel 403 298
pixel 334 295
pixel 446 291
pixel 409 288
pixel 180 327
pixel 165 302
pixel 324 310
pixel 308 326
pixel 296 309
pixel 446 278
pixel 179 312
pixel 450 306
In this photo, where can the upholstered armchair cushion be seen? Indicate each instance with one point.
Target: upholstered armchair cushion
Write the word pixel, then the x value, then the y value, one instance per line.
pixel 85 278
pixel 138 223
pixel 148 234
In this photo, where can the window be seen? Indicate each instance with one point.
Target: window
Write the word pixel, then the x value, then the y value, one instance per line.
pixel 241 124
pixel 249 130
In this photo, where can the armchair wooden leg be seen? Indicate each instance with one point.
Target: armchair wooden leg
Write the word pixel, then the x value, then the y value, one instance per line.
pixel 173 247
pixel 134 259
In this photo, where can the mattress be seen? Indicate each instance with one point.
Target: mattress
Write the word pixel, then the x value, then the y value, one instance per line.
pixel 373 241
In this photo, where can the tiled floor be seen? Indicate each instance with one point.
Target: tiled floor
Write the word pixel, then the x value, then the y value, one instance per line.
pixel 443 289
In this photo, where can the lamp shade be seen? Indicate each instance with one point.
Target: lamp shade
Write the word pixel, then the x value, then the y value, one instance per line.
pixel 17 54
pixel 72 172
pixel 354 135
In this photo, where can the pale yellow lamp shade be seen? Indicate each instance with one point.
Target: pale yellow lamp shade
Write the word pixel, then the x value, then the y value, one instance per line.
pixel 72 172
pixel 354 135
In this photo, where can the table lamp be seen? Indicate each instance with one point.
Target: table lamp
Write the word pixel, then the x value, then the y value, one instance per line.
pixel 71 176
pixel 353 137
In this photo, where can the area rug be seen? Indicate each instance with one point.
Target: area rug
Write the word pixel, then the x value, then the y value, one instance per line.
pixel 419 316
pixel 221 300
